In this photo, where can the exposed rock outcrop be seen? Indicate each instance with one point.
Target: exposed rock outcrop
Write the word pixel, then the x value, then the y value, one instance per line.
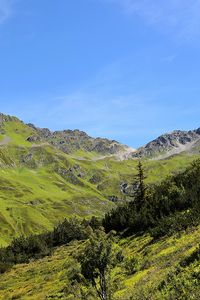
pixel 169 144
pixel 70 141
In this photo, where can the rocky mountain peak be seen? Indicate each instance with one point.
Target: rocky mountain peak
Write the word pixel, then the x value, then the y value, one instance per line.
pixel 7 118
pixel 169 144
pixel 70 141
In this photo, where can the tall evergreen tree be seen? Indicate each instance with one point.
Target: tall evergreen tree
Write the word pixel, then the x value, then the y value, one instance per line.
pixel 140 195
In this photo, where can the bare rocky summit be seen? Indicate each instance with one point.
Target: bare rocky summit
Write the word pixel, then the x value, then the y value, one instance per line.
pixel 169 144
pixel 70 141
pixel 76 141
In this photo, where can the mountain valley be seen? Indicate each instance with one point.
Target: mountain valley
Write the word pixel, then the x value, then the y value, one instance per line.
pixel 47 176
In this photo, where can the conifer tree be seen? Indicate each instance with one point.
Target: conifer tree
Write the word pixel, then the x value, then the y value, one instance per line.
pixel 140 195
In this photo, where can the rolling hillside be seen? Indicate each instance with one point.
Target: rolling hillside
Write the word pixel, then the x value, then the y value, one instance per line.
pixel 40 183
pixel 49 278
pixel 159 262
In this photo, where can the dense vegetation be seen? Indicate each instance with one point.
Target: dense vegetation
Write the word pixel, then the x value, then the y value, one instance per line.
pixel 172 205
pixel 23 249
pixel 154 211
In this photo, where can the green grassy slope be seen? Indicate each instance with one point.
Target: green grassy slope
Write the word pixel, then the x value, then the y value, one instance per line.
pixel 40 185
pixel 33 201
pixel 49 278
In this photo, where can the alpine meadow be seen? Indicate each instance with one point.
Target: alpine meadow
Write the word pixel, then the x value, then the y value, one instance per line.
pixel 99 150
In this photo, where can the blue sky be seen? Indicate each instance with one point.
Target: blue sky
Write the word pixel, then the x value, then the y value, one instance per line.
pixel 124 69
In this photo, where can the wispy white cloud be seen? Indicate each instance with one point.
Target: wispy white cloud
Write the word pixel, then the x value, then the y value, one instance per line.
pixel 170 58
pixel 6 10
pixel 182 17
pixel 100 108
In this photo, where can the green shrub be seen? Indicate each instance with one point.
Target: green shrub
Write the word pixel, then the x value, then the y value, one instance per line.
pixel 132 265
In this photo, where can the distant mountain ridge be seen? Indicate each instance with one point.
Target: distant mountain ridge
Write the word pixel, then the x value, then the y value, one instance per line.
pixel 164 146
pixel 170 144
pixel 70 141
pixel 73 141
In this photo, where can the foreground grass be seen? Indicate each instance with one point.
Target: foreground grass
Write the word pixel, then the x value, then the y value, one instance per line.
pixel 50 278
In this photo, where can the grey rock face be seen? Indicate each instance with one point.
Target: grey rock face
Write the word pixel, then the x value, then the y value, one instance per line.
pixel 70 141
pixel 174 143
pixel 34 138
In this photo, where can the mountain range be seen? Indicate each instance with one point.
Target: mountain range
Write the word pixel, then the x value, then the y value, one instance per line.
pixel 46 176
pixel 166 145
pixel 72 141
